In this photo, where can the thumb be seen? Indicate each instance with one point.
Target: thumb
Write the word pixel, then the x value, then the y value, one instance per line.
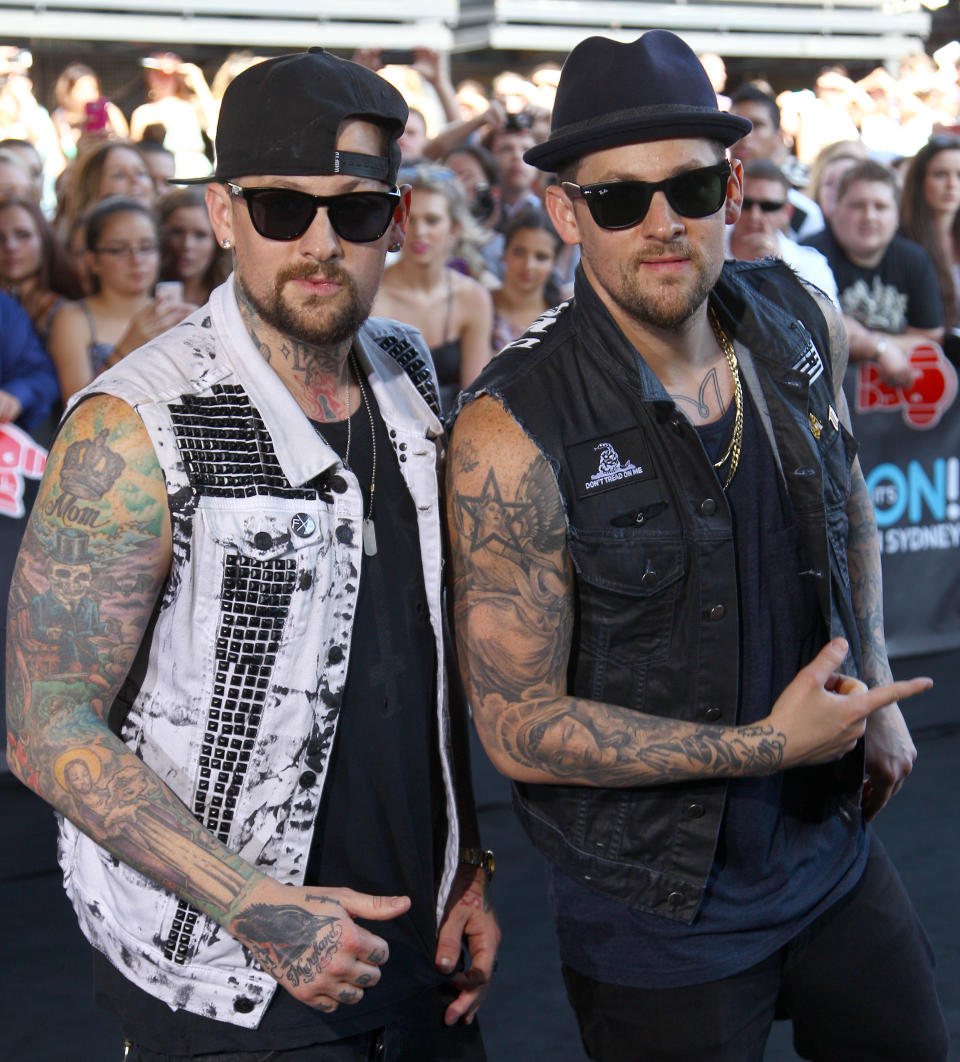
pixel 379 908
pixel 827 661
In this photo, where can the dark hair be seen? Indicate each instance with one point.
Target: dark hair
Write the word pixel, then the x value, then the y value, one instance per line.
pixel 751 94
pixel 765 170
pixel 68 77
pixel 482 157
pixel 918 223
pixel 868 170
pixel 100 213
pixel 57 272
pixel 538 220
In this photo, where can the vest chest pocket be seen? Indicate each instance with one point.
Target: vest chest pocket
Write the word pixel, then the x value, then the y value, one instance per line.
pixel 265 534
pixel 628 586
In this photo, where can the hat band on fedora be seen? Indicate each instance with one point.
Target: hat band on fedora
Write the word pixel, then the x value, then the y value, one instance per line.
pixel 658 110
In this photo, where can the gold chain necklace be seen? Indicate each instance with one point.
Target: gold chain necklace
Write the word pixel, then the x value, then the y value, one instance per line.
pixel 733 450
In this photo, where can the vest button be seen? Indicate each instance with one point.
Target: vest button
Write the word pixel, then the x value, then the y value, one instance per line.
pixel 338 484
pixel 335 655
pixel 675 898
pixel 263 540
pixel 303 525
pixel 307 779
pixel 693 810
pixel 711 713
pixel 344 534
pixel 717 612
pixel 649 579
pixel 707 507
pixel 242 1005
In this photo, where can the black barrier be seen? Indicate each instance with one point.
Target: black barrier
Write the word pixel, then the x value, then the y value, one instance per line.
pixel 909 442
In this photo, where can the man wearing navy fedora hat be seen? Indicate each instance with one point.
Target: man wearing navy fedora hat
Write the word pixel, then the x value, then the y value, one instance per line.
pixel 234 570
pixel 667 607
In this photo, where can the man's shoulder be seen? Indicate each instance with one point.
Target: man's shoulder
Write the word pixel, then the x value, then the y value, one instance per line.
pixel 904 251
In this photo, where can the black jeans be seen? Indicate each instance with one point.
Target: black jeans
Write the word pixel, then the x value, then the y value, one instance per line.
pixel 419 1035
pixel 857 984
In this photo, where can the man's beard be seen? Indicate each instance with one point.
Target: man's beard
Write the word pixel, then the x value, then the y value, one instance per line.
pixel 668 307
pixel 339 320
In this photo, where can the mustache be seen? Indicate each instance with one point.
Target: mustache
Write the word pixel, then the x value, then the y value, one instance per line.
pixel 681 248
pixel 310 272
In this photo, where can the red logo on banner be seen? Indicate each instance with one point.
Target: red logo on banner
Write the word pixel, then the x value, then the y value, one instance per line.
pixel 926 400
pixel 19 456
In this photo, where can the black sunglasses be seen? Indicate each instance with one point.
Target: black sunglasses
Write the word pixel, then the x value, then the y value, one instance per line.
pixel 768 206
pixel 623 204
pixel 286 214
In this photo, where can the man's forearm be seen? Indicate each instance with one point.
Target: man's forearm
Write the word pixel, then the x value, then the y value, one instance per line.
pixel 866 582
pixel 96 782
pixel 581 742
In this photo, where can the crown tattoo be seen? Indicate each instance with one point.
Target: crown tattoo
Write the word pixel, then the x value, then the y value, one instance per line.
pixel 89 468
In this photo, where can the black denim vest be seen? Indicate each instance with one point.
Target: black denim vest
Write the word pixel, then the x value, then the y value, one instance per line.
pixel 650 537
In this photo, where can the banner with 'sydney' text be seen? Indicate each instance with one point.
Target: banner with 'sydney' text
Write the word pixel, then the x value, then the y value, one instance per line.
pixel 910 455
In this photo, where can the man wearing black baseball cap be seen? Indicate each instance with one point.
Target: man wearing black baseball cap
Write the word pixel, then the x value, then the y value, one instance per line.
pixel 256 762
pixel 657 520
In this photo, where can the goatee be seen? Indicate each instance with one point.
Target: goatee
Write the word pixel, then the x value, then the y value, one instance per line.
pixel 316 321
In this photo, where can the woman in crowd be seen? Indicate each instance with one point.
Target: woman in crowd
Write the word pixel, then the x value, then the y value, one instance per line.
pixel 930 215
pixel 529 287
pixel 123 256
pixel 114 167
pixel 190 252
pixel 34 266
pixel 452 310
pixel 76 87
pixel 828 167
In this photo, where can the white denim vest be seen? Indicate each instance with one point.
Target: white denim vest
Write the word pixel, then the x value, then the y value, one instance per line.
pixel 246 666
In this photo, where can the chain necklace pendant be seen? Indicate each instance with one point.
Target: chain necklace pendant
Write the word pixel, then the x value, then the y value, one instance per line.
pixel 369 537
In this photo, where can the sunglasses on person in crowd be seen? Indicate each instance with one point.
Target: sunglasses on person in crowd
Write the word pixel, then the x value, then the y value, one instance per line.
pixel 768 206
pixel 623 204
pixel 286 214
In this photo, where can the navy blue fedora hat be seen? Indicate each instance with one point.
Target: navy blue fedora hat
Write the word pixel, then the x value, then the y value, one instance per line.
pixel 653 88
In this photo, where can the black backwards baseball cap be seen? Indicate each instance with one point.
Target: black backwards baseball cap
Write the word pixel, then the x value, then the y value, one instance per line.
pixel 653 88
pixel 281 118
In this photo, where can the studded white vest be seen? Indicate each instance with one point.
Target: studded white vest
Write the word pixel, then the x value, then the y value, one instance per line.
pixel 242 676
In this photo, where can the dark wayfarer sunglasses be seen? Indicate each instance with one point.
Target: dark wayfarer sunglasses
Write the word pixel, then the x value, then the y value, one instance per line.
pixel 768 206
pixel 623 204
pixel 286 214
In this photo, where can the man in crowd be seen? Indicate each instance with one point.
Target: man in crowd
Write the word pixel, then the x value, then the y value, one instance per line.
pixel 761 230
pixel 656 521
pixel 253 497
pixel 887 283
pixel 766 141
pixel 518 178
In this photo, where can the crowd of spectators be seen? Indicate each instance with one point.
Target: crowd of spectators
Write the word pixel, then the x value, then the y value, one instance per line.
pixel 855 183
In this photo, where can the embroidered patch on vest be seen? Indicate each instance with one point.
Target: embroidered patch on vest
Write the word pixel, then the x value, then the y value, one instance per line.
pixel 610 461
pixel 809 363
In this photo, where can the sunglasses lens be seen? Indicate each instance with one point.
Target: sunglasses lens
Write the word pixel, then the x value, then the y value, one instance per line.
pixel 620 205
pixel 699 193
pixel 360 217
pixel 282 214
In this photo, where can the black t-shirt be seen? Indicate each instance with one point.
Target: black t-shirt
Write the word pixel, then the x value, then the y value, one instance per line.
pixel 381 825
pixel 900 292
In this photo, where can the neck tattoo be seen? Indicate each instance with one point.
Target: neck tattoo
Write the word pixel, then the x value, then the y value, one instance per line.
pixel 733 450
